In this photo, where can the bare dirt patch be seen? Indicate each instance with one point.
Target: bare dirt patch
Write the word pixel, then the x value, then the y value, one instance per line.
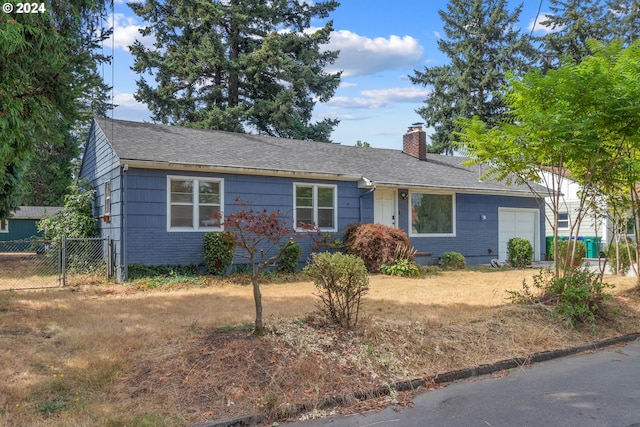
pixel 115 355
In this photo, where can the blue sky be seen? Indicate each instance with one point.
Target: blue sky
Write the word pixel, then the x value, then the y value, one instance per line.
pixel 381 43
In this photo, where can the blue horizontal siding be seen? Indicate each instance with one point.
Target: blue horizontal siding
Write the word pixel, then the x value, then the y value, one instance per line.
pixel 149 242
pixel 100 164
pixel 476 239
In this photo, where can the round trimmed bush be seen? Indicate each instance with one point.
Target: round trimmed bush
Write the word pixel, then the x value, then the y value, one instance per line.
pixel 453 261
pixel 519 252
pixel 374 243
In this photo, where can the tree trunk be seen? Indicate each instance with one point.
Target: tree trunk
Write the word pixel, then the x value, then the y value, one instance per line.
pixel 257 297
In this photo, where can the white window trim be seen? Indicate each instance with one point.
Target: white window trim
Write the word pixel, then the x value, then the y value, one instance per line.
pixel 196 211
pixel 107 198
pixel 568 221
pixel 315 205
pixel 4 226
pixel 453 214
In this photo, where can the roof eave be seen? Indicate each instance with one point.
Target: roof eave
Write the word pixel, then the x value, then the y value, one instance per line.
pixel 470 190
pixel 236 170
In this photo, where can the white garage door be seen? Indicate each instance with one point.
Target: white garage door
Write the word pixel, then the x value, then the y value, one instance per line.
pixel 518 223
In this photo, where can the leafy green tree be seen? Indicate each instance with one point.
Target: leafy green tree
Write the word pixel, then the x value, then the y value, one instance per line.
pixel 48 75
pixel 581 118
pixel 76 219
pixel 482 45
pixel 239 66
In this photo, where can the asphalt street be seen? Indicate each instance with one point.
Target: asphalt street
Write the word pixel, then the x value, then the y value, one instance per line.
pixel 599 388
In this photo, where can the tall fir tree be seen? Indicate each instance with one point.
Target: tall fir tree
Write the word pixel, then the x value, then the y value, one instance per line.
pixel 483 44
pixel 237 65
pixel 49 80
pixel 626 20
pixel 571 23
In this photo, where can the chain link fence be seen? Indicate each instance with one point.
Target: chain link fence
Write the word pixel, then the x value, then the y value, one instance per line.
pixel 29 264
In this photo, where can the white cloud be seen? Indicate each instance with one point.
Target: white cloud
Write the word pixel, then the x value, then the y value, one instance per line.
pixel 361 55
pixel 125 32
pixel 380 98
pixel 127 100
pixel 398 94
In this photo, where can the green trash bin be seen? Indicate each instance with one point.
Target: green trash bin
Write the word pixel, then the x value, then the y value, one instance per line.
pixel 549 247
pixel 592 244
pixel 589 243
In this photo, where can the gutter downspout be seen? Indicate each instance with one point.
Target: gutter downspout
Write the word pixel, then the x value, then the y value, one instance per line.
pixel 360 199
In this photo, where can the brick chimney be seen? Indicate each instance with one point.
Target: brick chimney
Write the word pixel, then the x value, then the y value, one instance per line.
pixel 414 142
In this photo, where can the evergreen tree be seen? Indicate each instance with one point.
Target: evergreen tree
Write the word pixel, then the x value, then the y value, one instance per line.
pixel 237 65
pixel 48 77
pixel 482 43
pixel 51 171
pixel 571 24
pixel 574 22
pixel 625 20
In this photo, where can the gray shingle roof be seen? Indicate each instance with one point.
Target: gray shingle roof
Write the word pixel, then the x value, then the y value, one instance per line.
pixel 35 212
pixel 145 142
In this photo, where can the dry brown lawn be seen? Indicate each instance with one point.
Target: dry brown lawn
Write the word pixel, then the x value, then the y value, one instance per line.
pixel 117 355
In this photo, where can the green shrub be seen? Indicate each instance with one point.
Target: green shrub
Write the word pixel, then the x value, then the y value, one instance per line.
pixel 565 248
pixel 519 252
pixel 575 296
pixel 289 261
pixel 341 280
pixel 625 260
pixel 453 261
pixel 374 243
pixel 402 267
pixel 218 251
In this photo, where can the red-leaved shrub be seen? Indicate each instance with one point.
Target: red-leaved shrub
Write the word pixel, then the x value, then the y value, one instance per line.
pixel 374 243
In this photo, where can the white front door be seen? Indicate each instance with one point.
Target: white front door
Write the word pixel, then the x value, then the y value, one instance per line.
pixel 514 222
pixel 385 206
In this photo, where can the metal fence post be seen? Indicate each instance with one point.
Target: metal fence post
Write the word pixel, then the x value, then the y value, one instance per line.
pixel 109 258
pixel 64 260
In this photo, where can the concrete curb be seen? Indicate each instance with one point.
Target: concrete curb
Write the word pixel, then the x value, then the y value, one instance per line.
pixel 252 420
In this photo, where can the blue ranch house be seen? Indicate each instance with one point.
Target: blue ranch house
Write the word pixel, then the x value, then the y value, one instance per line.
pixel 160 188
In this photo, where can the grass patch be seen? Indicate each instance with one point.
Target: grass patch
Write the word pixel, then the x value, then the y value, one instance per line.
pixel 184 354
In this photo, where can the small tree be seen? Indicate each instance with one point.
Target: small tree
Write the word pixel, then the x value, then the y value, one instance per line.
pixel 259 235
pixel 75 220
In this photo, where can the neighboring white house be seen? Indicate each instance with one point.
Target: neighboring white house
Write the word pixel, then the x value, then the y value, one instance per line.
pixel 594 224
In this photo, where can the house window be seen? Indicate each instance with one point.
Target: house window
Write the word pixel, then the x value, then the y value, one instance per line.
pixel 194 204
pixel 316 204
pixel 563 220
pixel 4 226
pixel 432 214
pixel 107 198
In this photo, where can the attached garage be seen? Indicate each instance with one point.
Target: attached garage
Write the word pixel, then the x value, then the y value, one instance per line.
pixel 514 222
